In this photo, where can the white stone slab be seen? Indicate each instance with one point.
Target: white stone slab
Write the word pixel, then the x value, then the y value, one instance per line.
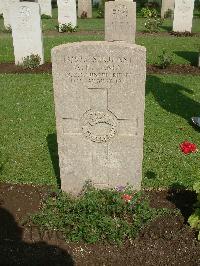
pixel 120 21
pixel 85 6
pixel 99 90
pixel 183 15
pixel 27 31
pixel 46 8
pixel 8 4
pixel 67 12
pixel 167 5
pixel 1 6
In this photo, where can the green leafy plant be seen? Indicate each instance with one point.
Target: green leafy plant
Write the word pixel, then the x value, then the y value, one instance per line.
pixel 43 16
pixel 165 59
pixel 101 10
pixel 149 12
pixel 97 215
pixel 66 28
pixel 32 61
pixel 153 24
pixel 194 219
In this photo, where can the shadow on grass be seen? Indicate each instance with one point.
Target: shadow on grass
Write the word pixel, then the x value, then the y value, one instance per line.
pixel 172 97
pixel 182 198
pixel 166 28
pixel 190 56
pixel 14 251
pixel 53 150
pixel 150 175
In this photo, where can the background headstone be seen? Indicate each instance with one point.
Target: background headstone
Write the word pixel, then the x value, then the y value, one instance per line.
pixel 85 6
pixel 120 21
pixel 183 15
pixel 26 31
pixel 167 5
pixel 99 90
pixel 1 6
pixel 7 6
pixel 67 12
pixel 46 8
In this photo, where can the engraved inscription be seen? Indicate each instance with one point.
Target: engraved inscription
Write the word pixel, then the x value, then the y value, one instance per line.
pixel 87 69
pixel 25 13
pixel 120 12
pixel 99 126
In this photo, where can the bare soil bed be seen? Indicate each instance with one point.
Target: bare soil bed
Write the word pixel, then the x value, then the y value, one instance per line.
pixel 166 241
pixel 11 68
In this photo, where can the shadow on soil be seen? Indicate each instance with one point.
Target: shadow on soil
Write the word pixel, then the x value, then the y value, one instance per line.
pixel 190 56
pixel 14 251
pixel 172 97
pixel 53 150
pixel 182 198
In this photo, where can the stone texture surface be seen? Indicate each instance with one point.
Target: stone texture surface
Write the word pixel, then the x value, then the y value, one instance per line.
pixel 1 6
pixel 183 15
pixel 166 5
pixel 45 7
pixel 26 31
pixel 85 6
pixel 99 90
pixel 7 6
pixel 120 21
pixel 67 12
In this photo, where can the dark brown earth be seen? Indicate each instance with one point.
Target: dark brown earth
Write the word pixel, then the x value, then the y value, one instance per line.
pixel 11 68
pixel 166 241
pixel 140 33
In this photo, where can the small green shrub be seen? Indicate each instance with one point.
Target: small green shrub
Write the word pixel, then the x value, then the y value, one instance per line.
pixel 97 215
pixel 101 9
pixel 148 12
pixel 100 12
pixel 43 16
pixel 194 219
pixel 165 59
pixel 32 61
pixel 153 24
pixel 66 28
pixel 1 16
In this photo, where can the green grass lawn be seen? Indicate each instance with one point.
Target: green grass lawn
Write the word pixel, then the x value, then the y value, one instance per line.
pixel 184 49
pixel 28 141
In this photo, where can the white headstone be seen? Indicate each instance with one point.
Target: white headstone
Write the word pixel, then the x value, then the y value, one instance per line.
pixel 183 15
pixel 99 90
pixel 85 6
pixel 7 6
pixel 120 21
pixel 67 12
pixel 46 8
pixel 26 31
pixel 167 5
pixel 1 6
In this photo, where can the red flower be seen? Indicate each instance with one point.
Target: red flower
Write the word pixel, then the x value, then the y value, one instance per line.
pixel 127 197
pixel 188 147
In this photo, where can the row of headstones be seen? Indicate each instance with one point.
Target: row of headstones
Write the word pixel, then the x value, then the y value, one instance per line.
pixel 66 10
pixel 99 94
pixel 99 90
pixel 120 24
pixel 183 13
